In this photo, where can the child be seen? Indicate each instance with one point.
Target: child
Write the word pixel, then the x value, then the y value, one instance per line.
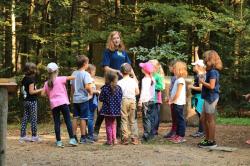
pixel 81 88
pixel 55 89
pixel 29 92
pixel 178 99
pixel 93 104
pixel 172 132
pixel 129 89
pixel 247 97
pixel 146 101
pixel 159 86
pixel 210 94
pixel 196 100
pixel 111 96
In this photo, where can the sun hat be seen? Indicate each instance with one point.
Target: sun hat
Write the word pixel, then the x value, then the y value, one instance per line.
pixel 147 67
pixel 51 67
pixel 199 63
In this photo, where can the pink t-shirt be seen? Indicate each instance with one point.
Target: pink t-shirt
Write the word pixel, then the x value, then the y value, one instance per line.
pixel 58 94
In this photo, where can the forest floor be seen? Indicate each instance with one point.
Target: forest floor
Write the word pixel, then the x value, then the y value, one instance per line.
pixel 156 152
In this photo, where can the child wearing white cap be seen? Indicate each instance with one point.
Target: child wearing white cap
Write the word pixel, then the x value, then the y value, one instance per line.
pixel 55 89
pixel 196 100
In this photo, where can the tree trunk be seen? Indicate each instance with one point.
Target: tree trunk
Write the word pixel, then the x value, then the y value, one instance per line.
pixel 13 36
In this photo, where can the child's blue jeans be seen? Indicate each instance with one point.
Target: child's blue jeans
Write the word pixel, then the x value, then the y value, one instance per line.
pixel 57 123
pixel 181 124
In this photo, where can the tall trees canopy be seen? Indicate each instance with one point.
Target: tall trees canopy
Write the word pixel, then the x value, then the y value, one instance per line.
pixel 42 31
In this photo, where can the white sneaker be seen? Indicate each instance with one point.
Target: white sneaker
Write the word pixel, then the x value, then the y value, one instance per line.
pixel 24 139
pixel 36 139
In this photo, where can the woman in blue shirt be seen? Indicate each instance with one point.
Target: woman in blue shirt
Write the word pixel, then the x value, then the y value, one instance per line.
pixel 113 57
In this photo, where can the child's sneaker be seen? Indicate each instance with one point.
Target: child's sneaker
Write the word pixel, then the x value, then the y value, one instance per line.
pixel 83 140
pixel 73 142
pixel 24 139
pixel 124 141
pixel 178 139
pixel 115 142
pixel 207 144
pixel 203 142
pixel 59 144
pixel 197 134
pixel 172 137
pixel 90 140
pixel 76 138
pixel 36 139
pixel 170 134
pixel 134 141
pixel 95 138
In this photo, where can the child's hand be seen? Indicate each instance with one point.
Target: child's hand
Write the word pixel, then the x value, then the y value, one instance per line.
pixel 97 92
pixel 196 48
pixel 190 86
pixel 247 97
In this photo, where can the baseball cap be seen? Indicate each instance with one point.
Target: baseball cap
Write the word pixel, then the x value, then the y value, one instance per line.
pixel 51 67
pixel 199 63
pixel 147 67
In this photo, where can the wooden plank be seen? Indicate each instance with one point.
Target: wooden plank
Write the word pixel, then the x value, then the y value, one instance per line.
pixel 9 83
pixel 223 148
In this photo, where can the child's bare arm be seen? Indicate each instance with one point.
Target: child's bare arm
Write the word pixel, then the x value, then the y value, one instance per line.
pixel 70 78
pixel 89 88
pixel 32 89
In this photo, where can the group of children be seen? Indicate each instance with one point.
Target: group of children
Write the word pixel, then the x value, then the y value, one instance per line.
pixel 118 99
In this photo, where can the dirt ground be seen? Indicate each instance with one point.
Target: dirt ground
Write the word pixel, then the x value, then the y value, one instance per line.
pixel 157 152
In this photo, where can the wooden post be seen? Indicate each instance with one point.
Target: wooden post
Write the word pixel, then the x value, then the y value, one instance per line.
pixel 6 85
pixel 3 123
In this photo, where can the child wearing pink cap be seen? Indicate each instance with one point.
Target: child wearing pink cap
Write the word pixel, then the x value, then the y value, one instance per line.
pixel 146 101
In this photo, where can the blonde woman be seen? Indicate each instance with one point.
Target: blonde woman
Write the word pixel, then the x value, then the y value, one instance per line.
pixel 113 57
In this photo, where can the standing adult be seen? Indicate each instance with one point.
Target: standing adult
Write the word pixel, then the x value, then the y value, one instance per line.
pixel 113 57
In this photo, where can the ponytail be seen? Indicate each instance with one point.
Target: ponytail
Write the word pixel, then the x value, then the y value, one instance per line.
pixel 52 76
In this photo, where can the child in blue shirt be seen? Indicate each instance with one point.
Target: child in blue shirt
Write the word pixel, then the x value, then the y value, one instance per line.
pixel 210 94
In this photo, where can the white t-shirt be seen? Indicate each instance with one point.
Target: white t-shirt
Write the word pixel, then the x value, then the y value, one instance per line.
pixel 147 90
pixel 128 85
pixel 181 100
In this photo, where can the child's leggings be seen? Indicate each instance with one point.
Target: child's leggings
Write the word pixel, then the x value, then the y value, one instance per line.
pixel 57 123
pixel 30 114
pixel 110 129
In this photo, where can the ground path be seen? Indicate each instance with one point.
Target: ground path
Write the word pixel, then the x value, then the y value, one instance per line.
pixel 157 152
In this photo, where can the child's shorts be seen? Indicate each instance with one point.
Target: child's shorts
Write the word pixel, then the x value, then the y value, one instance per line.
pixel 81 110
pixel 210 108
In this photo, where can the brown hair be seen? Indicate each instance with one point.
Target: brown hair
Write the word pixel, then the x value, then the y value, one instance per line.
pixel 180 69
pixel 81 60
pixel 126 68
pixel 91 68
pixel 110 45
pixel 29 69
pixel 212 60
pixel 111 79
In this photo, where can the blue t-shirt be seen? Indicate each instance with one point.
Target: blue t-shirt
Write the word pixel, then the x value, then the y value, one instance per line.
pixel 81 79
pixel 208 94
pixel 114 59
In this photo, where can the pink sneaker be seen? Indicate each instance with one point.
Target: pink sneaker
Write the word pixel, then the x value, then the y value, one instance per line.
pixel 172 137
pixel 178 139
